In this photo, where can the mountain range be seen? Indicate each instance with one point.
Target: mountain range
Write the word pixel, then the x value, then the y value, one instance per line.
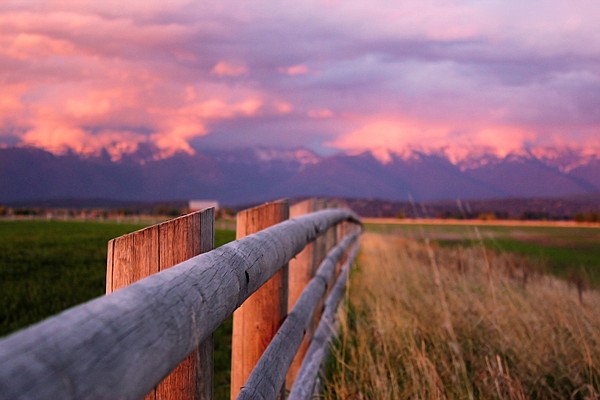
pixel 246 175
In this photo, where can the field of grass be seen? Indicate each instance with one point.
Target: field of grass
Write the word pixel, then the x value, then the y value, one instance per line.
pixel 436 311
pixel 450 322
pixel 568 252
pixel 48 266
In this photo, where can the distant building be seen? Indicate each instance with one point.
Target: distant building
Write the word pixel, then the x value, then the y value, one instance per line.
pixel 196 205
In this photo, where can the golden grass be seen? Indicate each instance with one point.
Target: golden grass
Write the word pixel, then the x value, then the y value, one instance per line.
pixel 459 323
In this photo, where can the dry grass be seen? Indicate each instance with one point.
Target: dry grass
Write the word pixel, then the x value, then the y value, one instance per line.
pixel 437 323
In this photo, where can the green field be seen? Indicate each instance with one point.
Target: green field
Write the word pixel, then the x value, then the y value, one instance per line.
pixel 567 252
pixel 48 266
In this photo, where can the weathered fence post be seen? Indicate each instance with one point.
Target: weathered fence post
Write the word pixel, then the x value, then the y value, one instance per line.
pixel 321 242
pixel 301 270
pixel 331 240
pixel 303 266
pixel 321 252
pixel 148 251
pixel 257 320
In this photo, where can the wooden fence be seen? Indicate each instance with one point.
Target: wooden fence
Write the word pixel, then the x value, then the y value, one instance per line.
pixel 153 336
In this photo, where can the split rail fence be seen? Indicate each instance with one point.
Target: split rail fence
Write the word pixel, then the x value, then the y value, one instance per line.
pixel 168 291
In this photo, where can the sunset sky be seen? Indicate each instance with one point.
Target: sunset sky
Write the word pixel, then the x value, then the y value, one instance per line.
pixel 328 75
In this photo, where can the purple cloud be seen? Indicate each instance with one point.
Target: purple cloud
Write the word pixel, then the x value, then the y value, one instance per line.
pixel 86 75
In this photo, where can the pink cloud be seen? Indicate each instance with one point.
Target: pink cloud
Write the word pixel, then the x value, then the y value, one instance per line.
pixel 219 109
pixel 85 92
pixel 95 103
pixel 320 113
pixel 24 46
pixel 59 137
pixel 86 74
pixel 399 135
pixel 223 68
pixel 294 70
pixel 283 107
pixel 11 107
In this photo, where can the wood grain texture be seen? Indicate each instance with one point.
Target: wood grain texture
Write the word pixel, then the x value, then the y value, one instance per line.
pixel 121 345
pixel 341 232
pixel 270 372
pixel 133 256
pixel 320 253
pixel 181 239
pixel 257 320
pixel 320 242
pixel 302 269
pixel 140 254
pixel 303 388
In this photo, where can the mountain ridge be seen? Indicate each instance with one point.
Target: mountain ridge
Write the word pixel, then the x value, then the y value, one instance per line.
pixel 259 174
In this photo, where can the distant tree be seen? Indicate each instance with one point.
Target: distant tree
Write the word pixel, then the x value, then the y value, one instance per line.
pixel 501 214
pixel 592 217
pixel 3 210
pixel 587 217
pixel 487 216
pixel 447 215
pixel 27 211
pixel 532 215
pixel 167 210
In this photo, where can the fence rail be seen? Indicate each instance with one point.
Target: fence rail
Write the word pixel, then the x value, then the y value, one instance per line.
pixel 270 372
pixel 123 344
pixel 305 381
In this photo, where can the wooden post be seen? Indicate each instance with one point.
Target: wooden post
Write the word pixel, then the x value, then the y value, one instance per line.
pixel 148 251
pixel 342 231
pixel 331 239
pixel 321 242
pixel 301 271
pixel 321 252
pixel 257 320
pixel 302 267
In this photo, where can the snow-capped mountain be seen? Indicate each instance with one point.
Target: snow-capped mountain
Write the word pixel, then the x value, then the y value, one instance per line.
pixel 256 174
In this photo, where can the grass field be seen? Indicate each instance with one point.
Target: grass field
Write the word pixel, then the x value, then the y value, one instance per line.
pixel 426 321
pixel 568 252
pixel 456 351
pixel 48 266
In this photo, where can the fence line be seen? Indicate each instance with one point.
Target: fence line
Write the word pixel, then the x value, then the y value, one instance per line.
pixel 301 270
pixel 269 374
pixel 305 383
pixel 123 344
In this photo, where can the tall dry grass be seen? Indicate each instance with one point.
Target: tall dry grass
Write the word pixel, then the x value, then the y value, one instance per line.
pixel 458 323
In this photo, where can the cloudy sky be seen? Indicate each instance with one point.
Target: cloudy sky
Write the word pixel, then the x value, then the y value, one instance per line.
pixel 328 75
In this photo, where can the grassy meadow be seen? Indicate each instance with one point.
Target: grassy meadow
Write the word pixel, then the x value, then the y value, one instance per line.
pixel 434 313
pixel 572 253
pixel 48 266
